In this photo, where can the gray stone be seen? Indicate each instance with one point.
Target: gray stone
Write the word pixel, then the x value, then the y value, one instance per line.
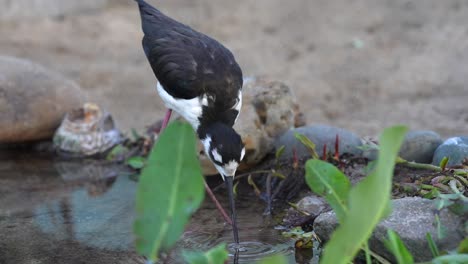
pixel 419 146
pixel 370 147
pixel 313 205
pixel 319 135
pixel 455 148
pixel 33 100
pixel 20 9
pixel 269 108
pixel 412 218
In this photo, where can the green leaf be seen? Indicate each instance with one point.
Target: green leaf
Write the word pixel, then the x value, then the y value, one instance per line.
pixel 432 245
pixel 275 259
pixel 463 247
pixel 368 201
pixel 443 163
pixel 136 162
pixel 327 181
pixel 169 191
pixel 251 182
pixel 308 144
pixel 451 259
pixel 398 248
pixel 216 255
pixel 136 136
pixel 116 152
pixel 280 152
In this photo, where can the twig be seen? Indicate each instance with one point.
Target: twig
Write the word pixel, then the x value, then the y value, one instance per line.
pixel 268 194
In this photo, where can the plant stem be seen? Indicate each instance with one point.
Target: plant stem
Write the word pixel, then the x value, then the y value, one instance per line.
pixel 366 250
pixel 378 257
pixel 431 167
pixel 253 172
pixel 416 165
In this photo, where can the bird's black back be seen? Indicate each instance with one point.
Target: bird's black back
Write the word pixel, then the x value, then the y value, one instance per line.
pixel 189 64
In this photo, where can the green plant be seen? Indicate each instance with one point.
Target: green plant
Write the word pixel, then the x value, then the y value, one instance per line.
pixel 170 189
pixel 275 259
pixel 398 248
pixel 216 255
pixel 358 209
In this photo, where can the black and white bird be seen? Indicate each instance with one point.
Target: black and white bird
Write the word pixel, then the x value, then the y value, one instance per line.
pixel 199 79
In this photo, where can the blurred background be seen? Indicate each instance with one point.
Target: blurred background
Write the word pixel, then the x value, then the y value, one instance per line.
pixel 356 64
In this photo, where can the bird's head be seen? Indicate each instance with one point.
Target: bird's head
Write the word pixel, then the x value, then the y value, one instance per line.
pixel 224 147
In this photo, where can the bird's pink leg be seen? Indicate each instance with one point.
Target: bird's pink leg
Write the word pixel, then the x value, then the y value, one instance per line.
pixel 218 205
pixel 167 117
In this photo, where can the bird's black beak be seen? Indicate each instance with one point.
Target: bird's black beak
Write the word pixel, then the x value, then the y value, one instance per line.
pixel 229 184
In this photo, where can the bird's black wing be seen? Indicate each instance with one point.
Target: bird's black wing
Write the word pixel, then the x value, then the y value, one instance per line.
pixel 170 47
pixel 188 63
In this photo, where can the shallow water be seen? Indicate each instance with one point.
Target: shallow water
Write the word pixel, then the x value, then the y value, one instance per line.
pixel 54 211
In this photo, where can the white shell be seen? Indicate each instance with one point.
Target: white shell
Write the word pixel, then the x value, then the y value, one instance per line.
pixel 88 135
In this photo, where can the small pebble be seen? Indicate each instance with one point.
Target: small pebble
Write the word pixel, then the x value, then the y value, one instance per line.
pixel 455 148
pixel 419 146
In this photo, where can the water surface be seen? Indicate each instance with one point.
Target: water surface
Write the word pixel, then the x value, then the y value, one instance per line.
pixel 57 211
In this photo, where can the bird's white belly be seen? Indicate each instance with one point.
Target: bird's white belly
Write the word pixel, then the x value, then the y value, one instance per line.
pixel 190 109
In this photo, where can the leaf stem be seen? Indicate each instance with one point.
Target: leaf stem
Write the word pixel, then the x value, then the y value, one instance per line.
pixel 366 250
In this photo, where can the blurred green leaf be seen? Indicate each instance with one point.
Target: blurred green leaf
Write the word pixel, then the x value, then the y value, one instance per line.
pixel 234 188
pixel 216 255
pixel 279 175
pixel 136 162
pixel 308 144
pixel 463 247
pixel 116 152
pixel 136 136
pixel 451 259
pixel 443 163
pixel 251 182
pixel 398 248
pixel 328 181
pixel 169 191
pixel 368 202
pixel 279 152
pixel 432 245
pixel 275 259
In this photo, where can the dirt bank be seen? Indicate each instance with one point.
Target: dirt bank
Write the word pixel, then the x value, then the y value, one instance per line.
pixel 361 65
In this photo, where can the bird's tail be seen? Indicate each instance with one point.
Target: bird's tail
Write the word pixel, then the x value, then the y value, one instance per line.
pixel 146 8
pixel 152 19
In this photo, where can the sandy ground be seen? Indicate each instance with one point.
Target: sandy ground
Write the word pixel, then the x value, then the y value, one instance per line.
pixel 358 64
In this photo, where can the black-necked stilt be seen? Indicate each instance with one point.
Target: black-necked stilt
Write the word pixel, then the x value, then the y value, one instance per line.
pixel 199 79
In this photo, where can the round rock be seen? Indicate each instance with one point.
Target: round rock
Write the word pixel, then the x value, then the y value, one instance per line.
pixel 320 135
pixel 419 146
pixel 411 218
pixel 313 205
pixel 33 100
pixel 456 149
